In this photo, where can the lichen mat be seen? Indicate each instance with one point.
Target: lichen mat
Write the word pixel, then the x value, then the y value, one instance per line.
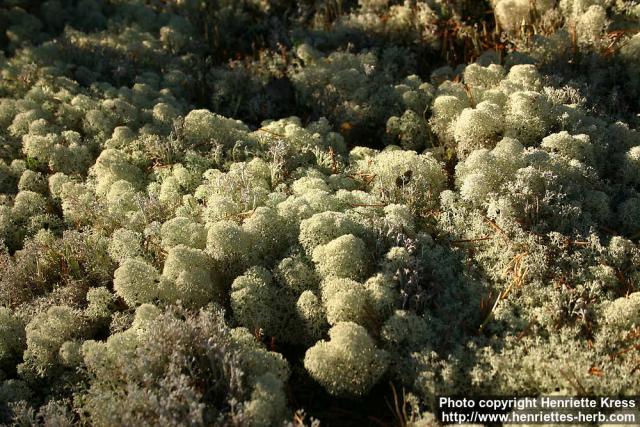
pixel 264 213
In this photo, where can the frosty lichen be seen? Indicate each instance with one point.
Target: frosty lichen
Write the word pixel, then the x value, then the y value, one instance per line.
pixel 348 363
pixel 216 213
pixel 136 281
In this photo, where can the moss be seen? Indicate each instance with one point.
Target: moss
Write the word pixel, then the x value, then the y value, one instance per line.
pixel 230 247
pixel 474 227
pixel 12 339
pixel 189 276
pixel 183 231
pixel 346 256
pixel 323 227
pixel 45 336
pixel 259 304
pixel 137 282
pixel 347 364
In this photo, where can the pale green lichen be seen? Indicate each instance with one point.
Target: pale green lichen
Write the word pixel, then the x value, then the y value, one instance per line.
pixel 347 364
